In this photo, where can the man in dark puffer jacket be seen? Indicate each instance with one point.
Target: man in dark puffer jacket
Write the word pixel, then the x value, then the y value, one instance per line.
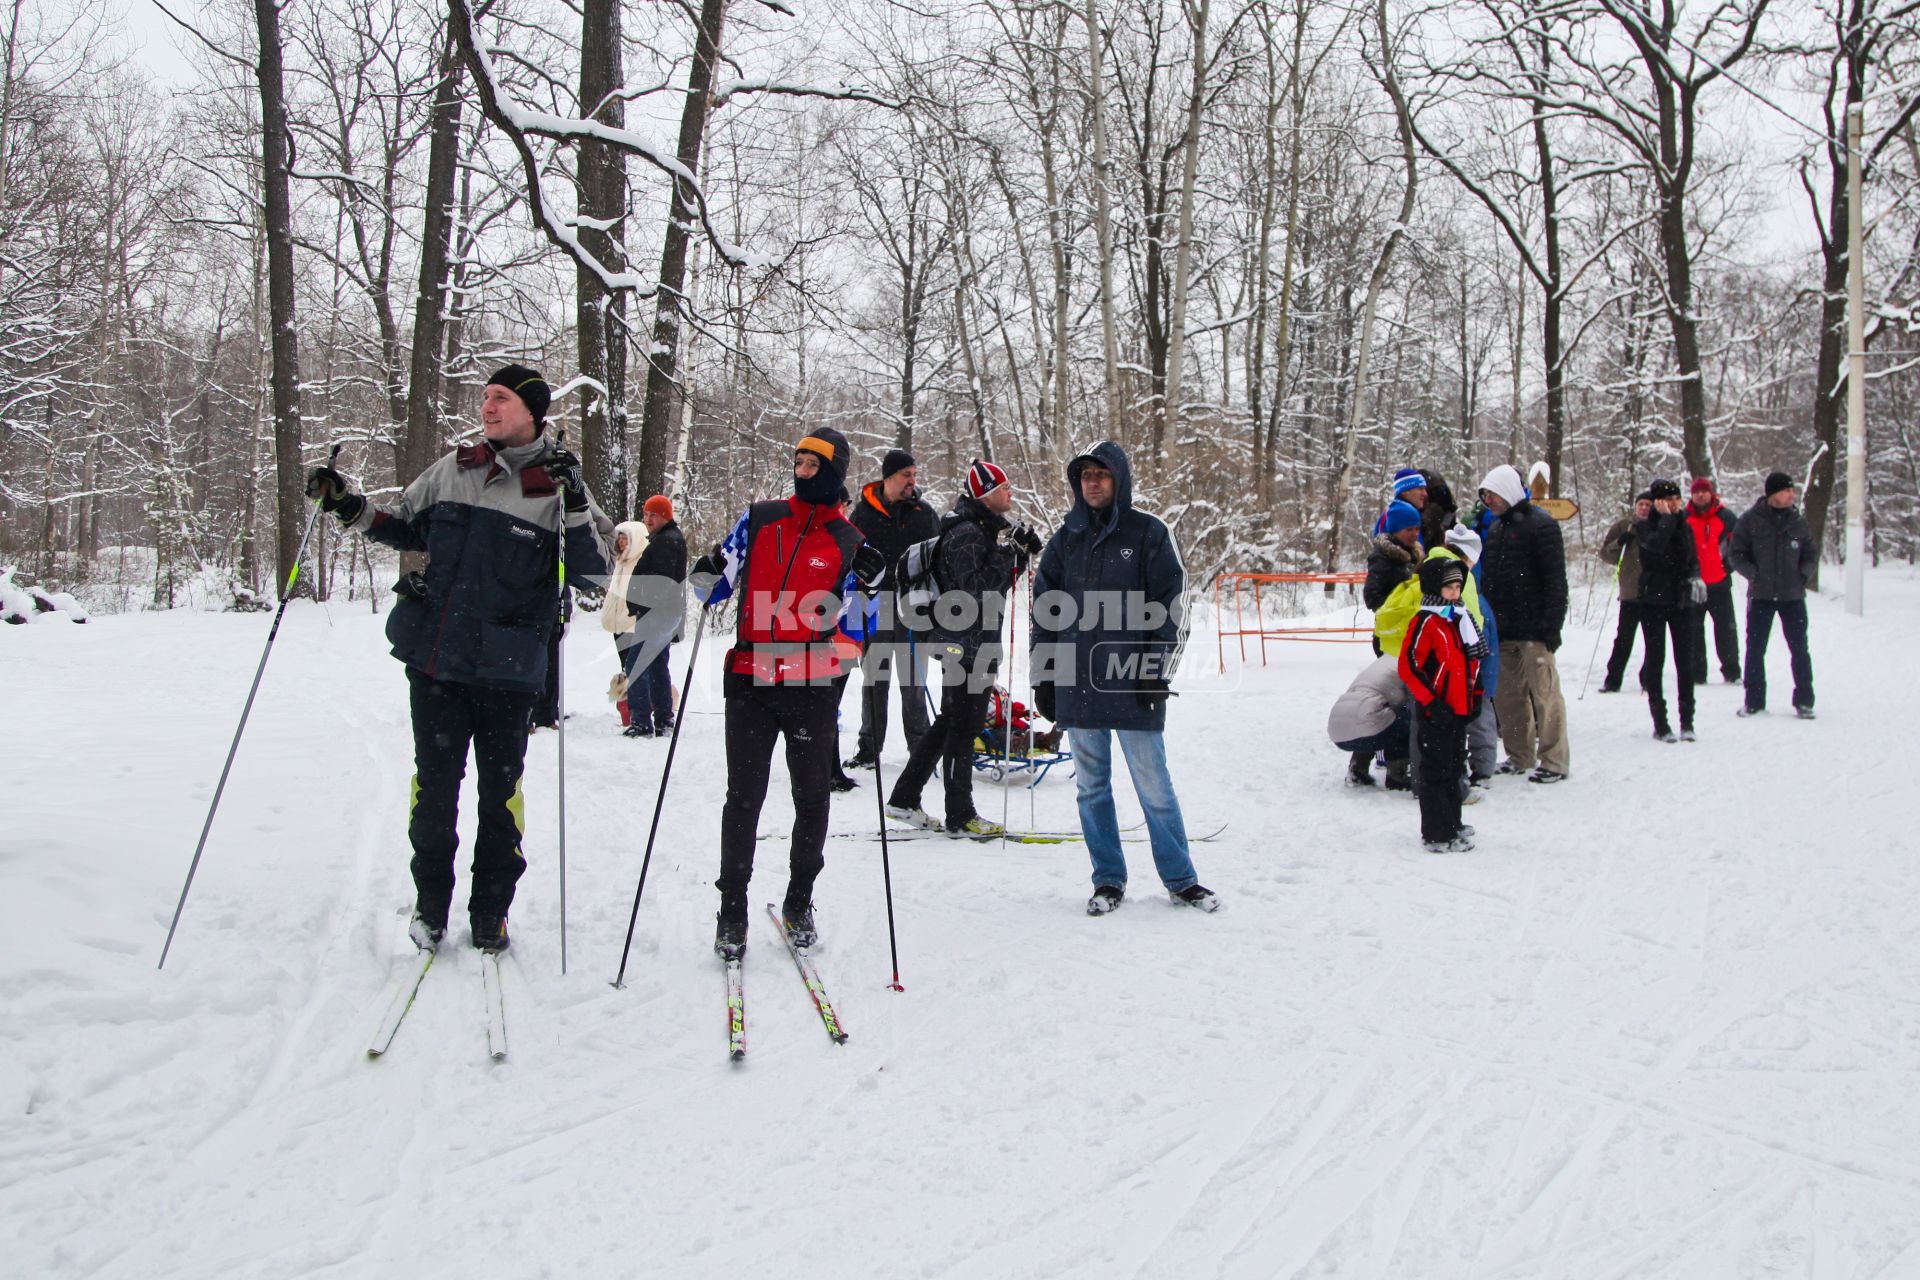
pixel 1773 549
pixel 475 641
pixel 892 515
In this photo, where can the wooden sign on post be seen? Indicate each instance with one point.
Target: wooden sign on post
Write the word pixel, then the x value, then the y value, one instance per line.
pixel 1561 509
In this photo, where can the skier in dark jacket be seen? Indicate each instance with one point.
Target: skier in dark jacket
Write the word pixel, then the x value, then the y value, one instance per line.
pixel 1108 623
pixel 1712 529
pixel 475 637
pixel 656 619
pixel 1620 550
pixel 1669 586
pixel 1524 572
pixel 1773 549
pixel 980 555
pixel 797 568
pixel 892 515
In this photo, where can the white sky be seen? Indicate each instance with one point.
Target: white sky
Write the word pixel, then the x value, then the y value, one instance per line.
pixel 157 44
pixel 154 42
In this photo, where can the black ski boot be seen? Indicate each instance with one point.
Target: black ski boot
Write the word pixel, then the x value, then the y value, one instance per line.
pixel 1360 769
pixel 426 931
pixel 489 932
pixel 730 939
pixel 841 782
pixel 1197 896
pixel 1105 900
pixel 798 917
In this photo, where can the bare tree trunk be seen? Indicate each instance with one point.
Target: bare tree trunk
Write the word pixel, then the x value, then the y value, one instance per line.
pixel 1343 473
pixel 421 442
pixel 1103 211
pixel 598 311
pixel 1516 425
pixel 289 484
pixel 1183 253
pixel 1262 258
pixel 656 424
pixel 1283 337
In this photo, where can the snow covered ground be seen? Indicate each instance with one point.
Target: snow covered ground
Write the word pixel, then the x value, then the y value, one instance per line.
pixel 1664 1022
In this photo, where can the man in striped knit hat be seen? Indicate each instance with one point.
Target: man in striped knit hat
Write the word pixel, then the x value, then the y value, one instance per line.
pixel 980 554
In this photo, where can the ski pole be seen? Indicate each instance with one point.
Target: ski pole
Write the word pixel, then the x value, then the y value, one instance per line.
pixel 1588 677
pixel 560 693
pixel 666 771
pixel 293 576
pixel 1006 739
pixel 868 689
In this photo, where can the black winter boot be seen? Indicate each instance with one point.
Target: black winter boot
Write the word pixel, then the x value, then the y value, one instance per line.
pixel 489 932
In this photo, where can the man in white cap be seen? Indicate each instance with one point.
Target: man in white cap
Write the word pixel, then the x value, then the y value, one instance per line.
pixel 1523 571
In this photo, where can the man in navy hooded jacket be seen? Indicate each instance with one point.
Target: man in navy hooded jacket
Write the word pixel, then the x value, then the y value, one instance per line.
pixel 1107 630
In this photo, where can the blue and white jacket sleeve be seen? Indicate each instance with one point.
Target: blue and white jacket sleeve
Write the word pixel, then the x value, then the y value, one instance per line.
pixel 733 557
pixel 859 612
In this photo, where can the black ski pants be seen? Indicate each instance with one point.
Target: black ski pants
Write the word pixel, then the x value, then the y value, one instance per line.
pixel 757 716
pixel 948 742
pixel 1726 634
pixel 1443 767
pixel 1793 625
pixel 1623 635
pixel 895 658
pixel 446 717
pixel 1656 624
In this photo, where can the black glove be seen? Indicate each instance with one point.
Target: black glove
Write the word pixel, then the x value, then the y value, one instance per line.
pixel 1153 694
pixel 1043 701
pixel 411 586
pixel 565 470
pixel 869 566
pixel 1026 539
pixel 1553 642
pixel 706 571
pixel 329 488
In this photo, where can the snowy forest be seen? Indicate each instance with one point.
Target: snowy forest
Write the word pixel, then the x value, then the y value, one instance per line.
pixel 1273 247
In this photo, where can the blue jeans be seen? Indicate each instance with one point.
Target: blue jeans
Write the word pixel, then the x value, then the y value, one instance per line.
pixel 1146 752
pixel 649 691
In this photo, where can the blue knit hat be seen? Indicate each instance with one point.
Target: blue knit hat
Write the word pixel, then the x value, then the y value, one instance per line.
pixel 1408 478
pixel 1400 515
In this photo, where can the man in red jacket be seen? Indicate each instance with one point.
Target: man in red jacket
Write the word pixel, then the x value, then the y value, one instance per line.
pixel 795 565
pixel 1712 530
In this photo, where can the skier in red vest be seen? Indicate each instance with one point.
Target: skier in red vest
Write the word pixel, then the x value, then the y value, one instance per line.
pixel 796 566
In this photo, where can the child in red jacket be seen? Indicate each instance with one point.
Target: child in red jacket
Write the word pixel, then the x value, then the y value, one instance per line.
pixel 1440 665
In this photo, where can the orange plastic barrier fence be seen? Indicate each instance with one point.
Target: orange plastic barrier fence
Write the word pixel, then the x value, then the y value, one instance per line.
pixel 1240 631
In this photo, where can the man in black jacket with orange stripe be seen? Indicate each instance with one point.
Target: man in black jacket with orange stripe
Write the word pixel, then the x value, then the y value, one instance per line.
pixel 892 516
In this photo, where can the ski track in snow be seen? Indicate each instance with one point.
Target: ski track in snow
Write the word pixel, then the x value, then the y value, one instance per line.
pixel 1662 1023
